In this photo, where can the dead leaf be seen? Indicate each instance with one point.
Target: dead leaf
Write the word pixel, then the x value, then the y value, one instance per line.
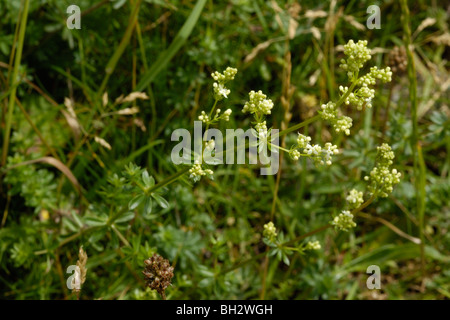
pixel 260 47
pixel 424 24
pixel 131 97
pixel 105 99
pixel 71 118
pixel 55 163
pixel 314 14
pixel 354 23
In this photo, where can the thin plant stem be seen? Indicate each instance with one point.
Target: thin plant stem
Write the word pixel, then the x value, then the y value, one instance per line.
pixel 168 180
pixel 388 106
pixel 419 175
pixel 109 69
pixel 12 96
pixel 293 241
pixel 120 235
pixel 299 125
pixel 317 117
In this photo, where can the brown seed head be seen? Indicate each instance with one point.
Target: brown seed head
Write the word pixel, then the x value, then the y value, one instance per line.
pixel 397 60
pixel 158 273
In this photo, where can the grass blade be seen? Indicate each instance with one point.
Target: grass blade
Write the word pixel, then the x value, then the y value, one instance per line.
pixel 176 44
pixel 12 97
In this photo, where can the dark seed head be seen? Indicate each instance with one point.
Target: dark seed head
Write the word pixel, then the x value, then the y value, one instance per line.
pixel 158 273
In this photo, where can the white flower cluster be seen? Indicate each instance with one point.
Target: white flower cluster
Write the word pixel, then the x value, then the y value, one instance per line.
pixel 359 98
pixel 302 140
pixel 316 152
pixel 382 178
pixel 313 150
pixel 264 136
pixel 313 245
pixel 340 123
pixel 344 221
pixel 294 154
pixel 355 198
pixel 328 151
pixel 227 75
pixel 258 104
pixel 270 232
pixel 261 129
pixel 357 54
pixel 329 111
pixel 364 95
pixel 343 124
pixel 203 117
pixel 370 78
pixel 385 154
pixel 224 116
pixel 220 91
pixel 196 172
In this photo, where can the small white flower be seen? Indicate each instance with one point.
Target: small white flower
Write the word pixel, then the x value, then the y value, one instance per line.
pixel 328 151
pixel 223 91
pixel 355 198
pixel 220 91
pixel 270 232
pixel 329 111
pixel 203 117
pixel 302 140
pixel 344 221
pixel 196 172
pixel 258 103
pixel 226 115
pixel 343 124
pixel 313 245
pixel 313 150
pixel 295 154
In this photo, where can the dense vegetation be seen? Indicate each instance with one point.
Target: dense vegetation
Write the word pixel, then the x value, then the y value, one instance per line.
pixel 87 117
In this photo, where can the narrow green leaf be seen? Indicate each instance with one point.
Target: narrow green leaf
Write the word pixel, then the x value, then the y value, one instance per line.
pixel 97 235
pixel 127 216
pixel 176 44
pixel 148 206
pixel 77 219
pixel 95 222
pixel 136 201
pixel 70 225
pixel 149 181
pixel 160 200
pixel 390 252
pixel 286 259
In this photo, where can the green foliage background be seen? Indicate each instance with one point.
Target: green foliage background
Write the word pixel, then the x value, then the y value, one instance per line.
pixel 211 230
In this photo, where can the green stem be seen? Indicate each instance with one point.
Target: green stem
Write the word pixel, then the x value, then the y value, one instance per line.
pixel 109 69
pixel 278 147
pixel 242 263
pixel 419 173
pixel 262 254
pixel 317 117
pixel 210 115
pixel 168 180
pixel 298 126
pixel 120 235
pixel 12 96
pixel 350 90
pixel 291 242
pixel 421 198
